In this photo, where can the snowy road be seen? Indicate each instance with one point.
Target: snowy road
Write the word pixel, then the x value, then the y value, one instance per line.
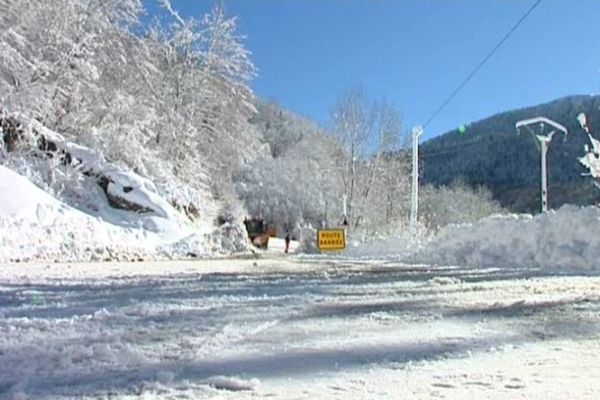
pixel 303 329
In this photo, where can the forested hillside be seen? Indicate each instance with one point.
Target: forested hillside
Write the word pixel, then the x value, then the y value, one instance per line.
pixel 491 153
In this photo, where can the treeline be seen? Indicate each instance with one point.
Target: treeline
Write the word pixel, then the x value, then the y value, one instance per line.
pixel 311 170
pixel 363 158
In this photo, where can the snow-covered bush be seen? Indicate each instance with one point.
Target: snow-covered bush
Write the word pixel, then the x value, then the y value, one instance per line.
pixel 457 203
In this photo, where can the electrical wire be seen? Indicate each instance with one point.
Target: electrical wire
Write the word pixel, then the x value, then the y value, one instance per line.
pixel 482 63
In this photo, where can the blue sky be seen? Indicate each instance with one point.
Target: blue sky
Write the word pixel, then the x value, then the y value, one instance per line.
pixel 414 53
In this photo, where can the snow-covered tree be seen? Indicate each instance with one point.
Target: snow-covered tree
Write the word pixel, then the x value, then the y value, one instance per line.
pixel 173 104
pixel 371 168
pixel 223 54
pixel 207 71
pixel 591 159
pixel 281 129
pixel 351 120
pixel 297 185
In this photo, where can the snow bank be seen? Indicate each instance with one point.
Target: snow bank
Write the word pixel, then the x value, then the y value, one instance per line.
pixel 398 246
pixel 21 199
pixel 232 384
pixel 36 226
pixel 562 241
pixel 566 240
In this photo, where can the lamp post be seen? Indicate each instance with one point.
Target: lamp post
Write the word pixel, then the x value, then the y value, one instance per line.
pixel 544 140
pixel 414 203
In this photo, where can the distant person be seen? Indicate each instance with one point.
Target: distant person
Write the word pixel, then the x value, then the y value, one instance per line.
pixel 287 242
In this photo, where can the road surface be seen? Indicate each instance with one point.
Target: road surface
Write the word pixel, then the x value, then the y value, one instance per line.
pixel 296 328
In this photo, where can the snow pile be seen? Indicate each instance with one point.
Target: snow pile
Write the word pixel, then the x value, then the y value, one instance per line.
pixel 232 384
pixel 226 239
pixel 308 241
pixel 21 199
pixel 399 246
pixel 565 240
pixel 35 225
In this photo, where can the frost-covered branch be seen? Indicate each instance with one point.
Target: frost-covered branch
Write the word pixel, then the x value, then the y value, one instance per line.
pixel 591 160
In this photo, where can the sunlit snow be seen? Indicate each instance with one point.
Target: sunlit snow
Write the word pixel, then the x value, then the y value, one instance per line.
pixel 279 328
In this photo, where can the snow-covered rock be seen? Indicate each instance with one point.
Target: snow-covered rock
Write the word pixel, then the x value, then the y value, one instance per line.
pixel 61 201
pixel 124 188
pixel 37 226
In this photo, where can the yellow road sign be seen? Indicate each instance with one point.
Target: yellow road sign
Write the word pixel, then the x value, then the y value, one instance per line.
pixel 331 239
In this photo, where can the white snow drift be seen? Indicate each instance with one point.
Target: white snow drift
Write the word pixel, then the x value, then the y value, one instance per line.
pixel 36 226
pixel 565 240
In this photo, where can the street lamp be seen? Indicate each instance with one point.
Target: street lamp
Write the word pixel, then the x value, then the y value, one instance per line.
pixel 414 204
pixel 544 143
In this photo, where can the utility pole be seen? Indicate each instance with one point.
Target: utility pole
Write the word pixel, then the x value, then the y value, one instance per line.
pixel 544 140
pixel 414 203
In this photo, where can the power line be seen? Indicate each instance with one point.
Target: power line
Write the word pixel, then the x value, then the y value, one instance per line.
pixel 482 63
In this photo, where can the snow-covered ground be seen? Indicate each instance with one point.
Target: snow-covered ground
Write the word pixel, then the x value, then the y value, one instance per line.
pixel 285 328
pixel 35 225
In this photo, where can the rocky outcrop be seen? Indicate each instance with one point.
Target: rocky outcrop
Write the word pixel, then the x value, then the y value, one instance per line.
pixel 124 190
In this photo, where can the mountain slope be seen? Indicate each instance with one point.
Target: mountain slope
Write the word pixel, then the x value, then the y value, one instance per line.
pixel 491 153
